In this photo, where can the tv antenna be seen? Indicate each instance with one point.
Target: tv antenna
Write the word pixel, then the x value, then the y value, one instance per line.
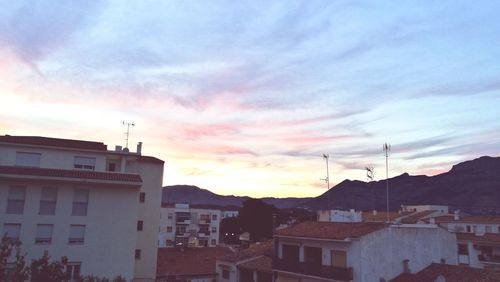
pixel 327 181
pixel 370 175
pixel 387 149
pixel 128 124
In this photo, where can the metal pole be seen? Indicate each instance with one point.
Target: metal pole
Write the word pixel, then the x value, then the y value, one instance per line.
pixel 387 148
pixel 328 190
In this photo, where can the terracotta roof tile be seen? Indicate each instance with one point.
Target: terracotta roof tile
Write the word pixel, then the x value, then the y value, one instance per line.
pixel 414 218
pixel 148 159
pixel 469 219
pixel 263 263
pixel 381 216
pixel 258 249
pixel 330 230
pixel 54 142
pixel 455 273
pixel 191 261
pixel 486 238
pixel 68 173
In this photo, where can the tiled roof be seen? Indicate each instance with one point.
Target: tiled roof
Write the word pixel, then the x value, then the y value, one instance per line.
pixel 255 250
pixel 263 263
pixel 330 230
pixel 470 219
pixel 414 218
pixel 54 142
pixel 486 238
pixel 148 159
pixel 191 261
pixel 381 216
pixel 68 173
pixel 455 273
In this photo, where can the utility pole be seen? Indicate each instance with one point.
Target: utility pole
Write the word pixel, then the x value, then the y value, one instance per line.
pixel 387 148
pixel 327 180
pixel 128 124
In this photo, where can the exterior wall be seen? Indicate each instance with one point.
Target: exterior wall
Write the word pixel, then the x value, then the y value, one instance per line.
pixel 109 233
pixel 420 208
pixel 340 216
pixel 475 227
pixel 149 213
pixel 230 214
pixel 233 271
pixel 383 251
pixel 194 224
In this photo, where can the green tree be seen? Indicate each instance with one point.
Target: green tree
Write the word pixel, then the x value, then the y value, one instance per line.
pixel 256 217
pixel 12 264
pixel 43 269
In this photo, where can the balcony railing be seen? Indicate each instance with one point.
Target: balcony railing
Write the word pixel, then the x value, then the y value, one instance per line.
pixel 489 259
pixel 183 220
pixel 329 272
pixel 204 233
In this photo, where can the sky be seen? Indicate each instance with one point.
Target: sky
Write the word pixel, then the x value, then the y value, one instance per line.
pixel 244 97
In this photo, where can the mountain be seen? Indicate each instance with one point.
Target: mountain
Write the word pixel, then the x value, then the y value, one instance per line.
pixel 195 195
pixel 471 186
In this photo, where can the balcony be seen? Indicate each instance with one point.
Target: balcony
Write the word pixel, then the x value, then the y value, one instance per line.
pixel 205 233
pixel 484 258
pixel 182 220
pixel 204 221
pixel 329 272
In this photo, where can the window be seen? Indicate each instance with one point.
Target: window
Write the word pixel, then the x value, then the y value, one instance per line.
pixel 214 217
pixel 214 229
pixel 225 273
pixel 76 234
pixel 111 167
pixel 462 249
pixel 15 200
pixel 142 197
pixel 84 163
pixel 48 201
pixel 140 224
pixel 12 231
pixel 44 233
pixel 169 243
pixel 80 202
pixel 169 228
pixel 180 229
pixel 137 254
pixel 339 258
pixel 170 215
pixel 28 159
pixel 73 270
pixel 213 242
pixel 488 229
pixel 468 228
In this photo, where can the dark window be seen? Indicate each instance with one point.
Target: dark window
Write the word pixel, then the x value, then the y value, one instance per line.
pixel 44 233
pixel 137 254
pixel 139 225
pixel 15 200
pixel 214 229
pixel 214 217
pixel 169 228
pixel 84 163
pixel 225 273
pixel 111 167
pixel 468 228
pixel 290 253
pixel 73 270
pixel 142 197
pixel 48 201
pixel 213 242
pixel 80 202
pixel 312 255
pixel 462 249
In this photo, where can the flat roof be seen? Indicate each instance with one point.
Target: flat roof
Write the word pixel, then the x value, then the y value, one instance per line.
pixel 330 230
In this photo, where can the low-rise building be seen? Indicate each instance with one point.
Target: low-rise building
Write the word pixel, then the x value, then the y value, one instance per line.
pixel 73 198
pixel 334 251
pixel 182 224
pixel 437 272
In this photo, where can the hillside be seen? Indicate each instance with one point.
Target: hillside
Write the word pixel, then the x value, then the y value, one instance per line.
pixel 471 186
pixel 196 195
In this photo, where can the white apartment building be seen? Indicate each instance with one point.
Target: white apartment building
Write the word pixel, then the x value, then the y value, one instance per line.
pixel 188 225
pixel 478 239
pixel 361 252
pixel 97 207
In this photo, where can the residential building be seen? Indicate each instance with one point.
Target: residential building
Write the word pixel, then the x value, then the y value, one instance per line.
pixel 253 264
pixel 478 239
pixel 363 251
pixel 97 207
pixel 188 225
pixel 189 264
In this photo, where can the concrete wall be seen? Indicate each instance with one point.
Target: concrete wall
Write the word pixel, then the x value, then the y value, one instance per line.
pixel 383 251
pixel 109 232
pixel 233 271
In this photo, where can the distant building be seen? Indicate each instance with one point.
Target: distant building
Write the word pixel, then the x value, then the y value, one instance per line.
pixel 437 272
pixel 182 224
pixel 334 251
pixel 97 207
pixel 189 264
pixel 253 264
pixel 340 215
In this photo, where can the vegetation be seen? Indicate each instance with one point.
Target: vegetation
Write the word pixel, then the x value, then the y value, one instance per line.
pixel 256 217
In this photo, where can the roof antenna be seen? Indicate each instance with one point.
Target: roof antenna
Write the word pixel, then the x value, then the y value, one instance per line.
pixel 370 175
pixel 128 124
pixel 327 181
pixel 387 148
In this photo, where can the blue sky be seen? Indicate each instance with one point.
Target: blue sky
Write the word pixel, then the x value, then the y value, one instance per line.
pixel 243 97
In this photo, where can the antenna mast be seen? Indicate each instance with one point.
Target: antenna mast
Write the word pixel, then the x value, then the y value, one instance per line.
pixel 387 148
pixel 128 124
pixel 370 175
pixel 327 181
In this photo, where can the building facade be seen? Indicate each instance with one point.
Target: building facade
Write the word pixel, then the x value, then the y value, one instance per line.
pixel 99 208
pixel 334 251
pixel 182 224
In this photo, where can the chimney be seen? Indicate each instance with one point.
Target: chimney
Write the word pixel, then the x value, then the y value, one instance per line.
pixel 118 148
pixel 456 215
pixel 139 148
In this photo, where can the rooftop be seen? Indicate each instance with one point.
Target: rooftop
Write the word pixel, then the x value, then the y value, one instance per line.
pixel 191 261
pixel 469 219
pixel 330 230
pixel 486 238
pixel 263 264
pixel 255 250
pixel 415 217
pixel 381 216
pixel 54 142
pixel 70 173
pixel 455 273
